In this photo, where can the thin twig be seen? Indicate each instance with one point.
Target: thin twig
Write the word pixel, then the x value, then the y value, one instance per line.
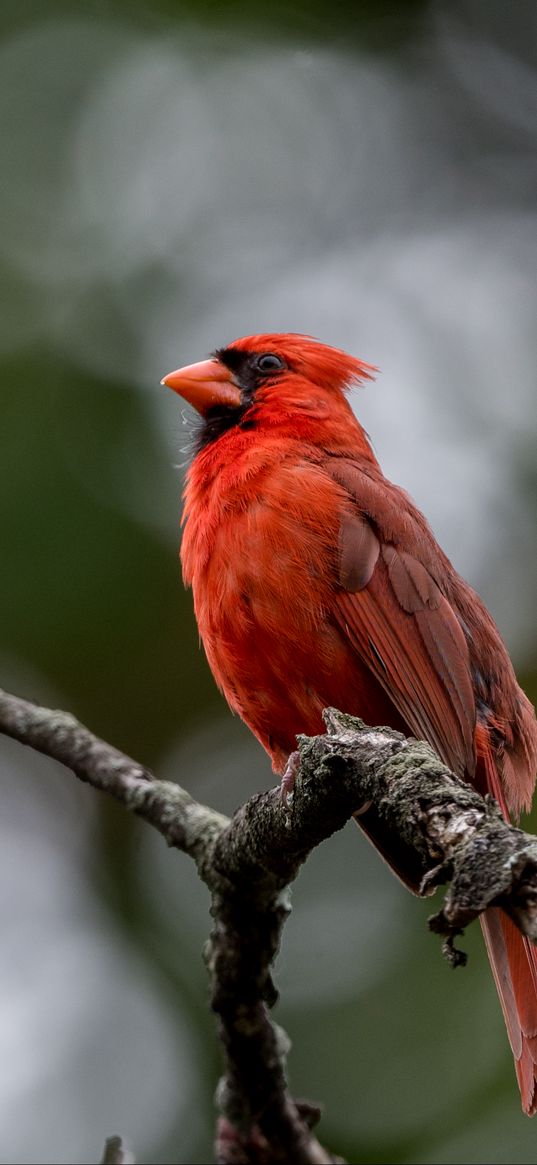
pixel 115 1152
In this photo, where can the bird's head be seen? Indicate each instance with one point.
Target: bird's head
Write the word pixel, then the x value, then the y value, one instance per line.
pixel 272 376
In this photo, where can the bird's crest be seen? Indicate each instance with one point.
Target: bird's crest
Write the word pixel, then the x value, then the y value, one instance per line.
pixel 308 357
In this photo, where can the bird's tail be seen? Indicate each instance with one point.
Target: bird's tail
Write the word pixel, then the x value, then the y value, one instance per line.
pixel 514 965
pixel 513 959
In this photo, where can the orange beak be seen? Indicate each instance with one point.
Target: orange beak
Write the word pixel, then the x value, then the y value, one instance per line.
pixel 205 385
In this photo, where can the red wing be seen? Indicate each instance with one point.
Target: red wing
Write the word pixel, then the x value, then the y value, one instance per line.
pixel 393 613
pixel 395 616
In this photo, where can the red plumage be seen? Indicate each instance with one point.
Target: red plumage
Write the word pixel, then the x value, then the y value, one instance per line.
pixel 318 582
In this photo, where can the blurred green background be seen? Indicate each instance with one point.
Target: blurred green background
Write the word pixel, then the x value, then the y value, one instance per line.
pixel 175 175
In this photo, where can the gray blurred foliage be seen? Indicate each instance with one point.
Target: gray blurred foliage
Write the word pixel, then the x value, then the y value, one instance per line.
pixel 175 175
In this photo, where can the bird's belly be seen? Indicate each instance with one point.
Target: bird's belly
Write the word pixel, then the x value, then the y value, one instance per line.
pixel 280 660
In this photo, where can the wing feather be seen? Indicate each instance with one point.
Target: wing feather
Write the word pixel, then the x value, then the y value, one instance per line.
pixel 399 620
pixel 402 626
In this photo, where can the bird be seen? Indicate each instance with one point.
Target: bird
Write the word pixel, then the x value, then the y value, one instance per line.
pixel 318 582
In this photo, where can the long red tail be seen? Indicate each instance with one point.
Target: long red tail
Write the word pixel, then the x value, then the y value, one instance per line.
pixel 514 962
pixel 514 965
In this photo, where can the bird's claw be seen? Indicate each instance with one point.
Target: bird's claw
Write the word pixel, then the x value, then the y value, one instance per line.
pixel 289 777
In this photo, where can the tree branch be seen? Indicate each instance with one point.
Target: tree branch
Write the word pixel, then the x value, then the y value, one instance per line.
pixel 449 831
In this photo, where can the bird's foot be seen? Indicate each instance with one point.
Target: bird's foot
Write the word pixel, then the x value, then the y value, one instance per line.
pixel 289 777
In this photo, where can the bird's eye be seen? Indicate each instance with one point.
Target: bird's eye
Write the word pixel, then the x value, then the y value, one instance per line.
pixel 268 362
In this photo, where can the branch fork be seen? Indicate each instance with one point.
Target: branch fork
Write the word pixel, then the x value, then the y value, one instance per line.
pixel 451 832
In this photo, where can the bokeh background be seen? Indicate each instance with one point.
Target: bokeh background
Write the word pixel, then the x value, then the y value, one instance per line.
pixel 176 174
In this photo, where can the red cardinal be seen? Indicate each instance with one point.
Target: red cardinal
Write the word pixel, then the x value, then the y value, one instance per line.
pixel 317 582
